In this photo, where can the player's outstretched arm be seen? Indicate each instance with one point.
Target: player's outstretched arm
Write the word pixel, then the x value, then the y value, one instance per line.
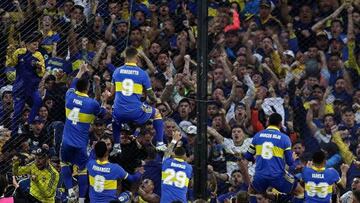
pixel 152 96
pixel 344 169
pixel 176 138
pixel 289 157
pixel 83 69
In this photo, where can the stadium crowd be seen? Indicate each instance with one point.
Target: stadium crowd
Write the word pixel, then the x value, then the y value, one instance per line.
pixel 298 59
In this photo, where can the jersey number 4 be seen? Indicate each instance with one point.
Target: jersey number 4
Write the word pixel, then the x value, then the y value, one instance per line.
pixel 174 178
pixel 74 115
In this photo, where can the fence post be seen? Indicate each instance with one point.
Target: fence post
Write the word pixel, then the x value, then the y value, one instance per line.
pixel 200 172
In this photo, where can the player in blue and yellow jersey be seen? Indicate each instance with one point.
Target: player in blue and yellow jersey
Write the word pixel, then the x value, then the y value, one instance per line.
pixel 80 113
pixel 104 176
pixel 319 182
pixel 175 176
pixel 272 150
pixel 129 83
pixel 30 68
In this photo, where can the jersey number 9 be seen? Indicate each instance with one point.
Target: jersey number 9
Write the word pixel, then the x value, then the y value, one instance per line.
pixel 127 87
pixel 175 178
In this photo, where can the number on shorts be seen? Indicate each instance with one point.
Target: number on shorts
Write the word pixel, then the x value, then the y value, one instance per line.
pixel 74 115
pixel 267 150
pixel 99 183
pixel 320 189
pixel 175 178
pixel 127 87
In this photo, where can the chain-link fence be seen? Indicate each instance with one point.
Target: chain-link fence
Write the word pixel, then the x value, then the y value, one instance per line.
pixel 297 58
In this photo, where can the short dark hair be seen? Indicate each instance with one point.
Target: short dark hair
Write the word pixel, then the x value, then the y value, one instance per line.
pixel 106 136
pixel 275 119
pixel 130 52
pixel 100 149
pixel 184 100
pixel 179 151
pixel 82 85
pixel 319 157
pixel 81 8
pixel 347 110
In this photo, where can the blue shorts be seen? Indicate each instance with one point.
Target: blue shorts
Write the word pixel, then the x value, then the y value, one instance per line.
pixel 74 155
pixel 285 183
pixel 139 116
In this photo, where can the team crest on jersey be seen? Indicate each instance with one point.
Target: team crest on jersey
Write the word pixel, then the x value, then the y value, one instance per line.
pixel 146 108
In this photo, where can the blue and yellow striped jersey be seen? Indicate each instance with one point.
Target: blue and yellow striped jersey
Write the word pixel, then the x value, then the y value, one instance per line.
pixel 80 113
pixel 175 177
pixel 319 183
pixel 103 177
pixel 48 42
pixel 272 149
pixel 55 63
pixel 130 81
pixel 28 76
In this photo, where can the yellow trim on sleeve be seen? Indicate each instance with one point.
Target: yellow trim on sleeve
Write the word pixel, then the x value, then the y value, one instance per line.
pixel 41 61
pixel 13 59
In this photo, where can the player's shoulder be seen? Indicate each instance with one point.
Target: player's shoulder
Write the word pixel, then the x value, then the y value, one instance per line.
pixel 307 170
pixel 331 171
pixel 90 163
pixel 20 51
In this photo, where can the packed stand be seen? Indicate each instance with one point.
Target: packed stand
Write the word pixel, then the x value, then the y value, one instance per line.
pixel 299 59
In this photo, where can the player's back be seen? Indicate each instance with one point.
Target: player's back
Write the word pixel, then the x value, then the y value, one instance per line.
pixel 175 177
pixel 319 184
pixel 130 82
pixel 80 113
pixel 103 177
pixel 270 146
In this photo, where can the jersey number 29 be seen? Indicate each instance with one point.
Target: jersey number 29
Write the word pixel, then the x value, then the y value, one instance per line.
pixel 175 178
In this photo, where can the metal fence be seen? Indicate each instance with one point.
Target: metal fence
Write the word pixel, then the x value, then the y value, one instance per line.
pixel 296 58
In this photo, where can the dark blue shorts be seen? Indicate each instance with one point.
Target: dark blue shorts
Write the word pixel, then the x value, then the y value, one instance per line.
pixel 74 155
pixel 285 183
pixel 139 116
